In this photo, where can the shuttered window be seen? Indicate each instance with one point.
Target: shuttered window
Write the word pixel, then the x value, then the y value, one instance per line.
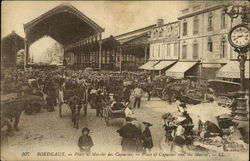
pixel 195 51
pixel 184 51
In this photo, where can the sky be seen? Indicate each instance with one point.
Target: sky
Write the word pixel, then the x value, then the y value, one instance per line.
pixel 116 17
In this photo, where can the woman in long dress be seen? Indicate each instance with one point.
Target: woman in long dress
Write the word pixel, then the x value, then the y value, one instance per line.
pixel 129 134
pixel 147 138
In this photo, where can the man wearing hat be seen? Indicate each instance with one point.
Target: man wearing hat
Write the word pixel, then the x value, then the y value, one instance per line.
pixel 147 141
pixel 85 141
pixel 129 134
pixel 138 92
pixel 99 102
pixel 50 90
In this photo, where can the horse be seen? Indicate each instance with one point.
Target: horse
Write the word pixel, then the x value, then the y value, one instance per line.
pixel 75 100
pixel 13 109
pixel 5 122
pixel 75 107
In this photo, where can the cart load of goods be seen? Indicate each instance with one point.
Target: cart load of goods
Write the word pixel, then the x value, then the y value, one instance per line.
pixel 32 103
pixel 220 144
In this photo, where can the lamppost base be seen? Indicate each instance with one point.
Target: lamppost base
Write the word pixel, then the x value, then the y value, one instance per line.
pixel 241 117
pixel 241 111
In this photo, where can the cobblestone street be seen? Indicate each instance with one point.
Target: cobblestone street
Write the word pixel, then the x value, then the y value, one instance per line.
pixel 43 129
pixel 46 131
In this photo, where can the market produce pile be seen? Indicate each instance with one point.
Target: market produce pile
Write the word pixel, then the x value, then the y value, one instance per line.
pixel 213 127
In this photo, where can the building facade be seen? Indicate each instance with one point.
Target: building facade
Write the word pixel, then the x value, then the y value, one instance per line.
pixel 204 29
pixel 11 45
pixel 134 48
pixel 203 36
pixel 164 46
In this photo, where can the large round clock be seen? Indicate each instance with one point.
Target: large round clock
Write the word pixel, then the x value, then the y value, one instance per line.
pixel 239 36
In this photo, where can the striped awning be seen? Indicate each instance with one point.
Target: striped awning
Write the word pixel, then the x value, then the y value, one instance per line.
pixel 163 64
pixel 179 69
pixel 149 65
pixel 232 70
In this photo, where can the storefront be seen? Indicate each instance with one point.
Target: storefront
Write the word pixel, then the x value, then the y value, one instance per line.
pixel 232 70
pixel 149 65
pixel 163 65
pixel 183 69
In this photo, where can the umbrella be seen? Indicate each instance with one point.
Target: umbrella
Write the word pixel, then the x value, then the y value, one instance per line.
pixel 207 112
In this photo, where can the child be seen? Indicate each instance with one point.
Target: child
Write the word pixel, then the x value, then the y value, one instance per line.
pixel 147 138
pixel 85 141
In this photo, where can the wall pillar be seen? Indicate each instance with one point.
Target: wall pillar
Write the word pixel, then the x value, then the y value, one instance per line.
pixel 121 58
pixel 100 52
pixel 26 53
pixel 145 52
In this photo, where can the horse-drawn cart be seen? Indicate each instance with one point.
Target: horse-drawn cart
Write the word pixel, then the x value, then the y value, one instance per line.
pixel 109 114
pixel 225 91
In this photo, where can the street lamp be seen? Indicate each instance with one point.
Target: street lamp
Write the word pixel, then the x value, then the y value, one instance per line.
pixel 242 10
pixel 239 38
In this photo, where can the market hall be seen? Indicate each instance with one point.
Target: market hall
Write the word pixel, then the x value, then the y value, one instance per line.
pixel 79 35
pixel 141 97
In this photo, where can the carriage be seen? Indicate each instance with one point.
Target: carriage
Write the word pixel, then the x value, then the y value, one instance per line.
pixel 172 90
pixel 109 114
pixel 225 91
pixel 192 89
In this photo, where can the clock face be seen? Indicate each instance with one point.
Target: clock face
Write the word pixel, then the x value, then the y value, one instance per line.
pixel 240 36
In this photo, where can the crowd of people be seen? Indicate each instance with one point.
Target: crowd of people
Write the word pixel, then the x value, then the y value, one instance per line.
pixel 77 89
pixel 74 88
pixel 54 84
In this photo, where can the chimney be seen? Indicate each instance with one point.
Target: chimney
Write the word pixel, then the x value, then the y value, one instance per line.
pixel 159 22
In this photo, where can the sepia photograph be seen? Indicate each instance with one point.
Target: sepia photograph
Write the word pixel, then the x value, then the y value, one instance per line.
pixel 125 80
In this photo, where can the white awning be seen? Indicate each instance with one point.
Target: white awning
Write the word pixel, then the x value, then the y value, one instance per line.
pixel 179 69
pixel 163 64
pixel 149 65
pixel 232 70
